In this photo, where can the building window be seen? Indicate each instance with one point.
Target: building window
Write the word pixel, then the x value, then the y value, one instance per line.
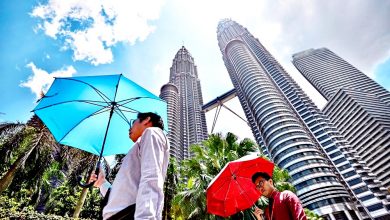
pixel 375 207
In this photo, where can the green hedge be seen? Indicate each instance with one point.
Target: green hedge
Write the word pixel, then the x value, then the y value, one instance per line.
pixel 28 215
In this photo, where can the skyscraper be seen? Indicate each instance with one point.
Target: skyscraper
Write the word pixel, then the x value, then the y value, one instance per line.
pixel 357 105
pixel 328 73
pixel 186 120
pixel 297 136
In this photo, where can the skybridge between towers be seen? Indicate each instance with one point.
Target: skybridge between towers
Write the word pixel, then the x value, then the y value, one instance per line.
pixel 219 103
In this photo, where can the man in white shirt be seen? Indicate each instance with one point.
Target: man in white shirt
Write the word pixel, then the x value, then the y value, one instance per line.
pixel 137 191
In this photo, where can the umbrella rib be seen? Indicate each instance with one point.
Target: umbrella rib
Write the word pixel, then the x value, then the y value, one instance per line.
pixel 117 85
pixel 135 98
pixel 108 124
pixel 95 113
pixel 244 193
pixel 249 167
pixel 102 95
pixel 223 183
pixel 123 102
pixel 127 109
pixel 128 100
pixel 227 179
pixel 97 103
pixel 102 110
pixel 120 113
pixel 239 186
pixel 64 102
pixel 227 192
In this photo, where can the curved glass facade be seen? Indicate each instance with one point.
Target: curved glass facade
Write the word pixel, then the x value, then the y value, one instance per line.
pixel 359 108
pixel 170 94
pixel 187 114
pixel 294 132
pixel 329 73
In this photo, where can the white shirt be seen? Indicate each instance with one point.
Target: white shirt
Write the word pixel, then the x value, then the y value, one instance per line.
pixel 140 179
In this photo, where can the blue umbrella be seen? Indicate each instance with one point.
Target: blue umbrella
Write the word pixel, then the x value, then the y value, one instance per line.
pixel 94 113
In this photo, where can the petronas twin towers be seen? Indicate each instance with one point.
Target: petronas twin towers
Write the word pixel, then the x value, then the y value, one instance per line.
pixel 186 120
pixel 330 174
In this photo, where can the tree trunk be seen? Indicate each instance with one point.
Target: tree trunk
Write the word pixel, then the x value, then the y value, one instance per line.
pixel 6 180
pixel 83 196
pixel 80 203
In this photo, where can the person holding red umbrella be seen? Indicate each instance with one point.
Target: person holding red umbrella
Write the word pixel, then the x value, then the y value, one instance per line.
pixel 282 205
pixel 232 190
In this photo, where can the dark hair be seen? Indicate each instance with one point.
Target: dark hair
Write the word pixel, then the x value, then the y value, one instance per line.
pixel 260 174
pixel 154 118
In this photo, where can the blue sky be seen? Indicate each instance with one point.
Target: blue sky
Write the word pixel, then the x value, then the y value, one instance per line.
pixel 42 39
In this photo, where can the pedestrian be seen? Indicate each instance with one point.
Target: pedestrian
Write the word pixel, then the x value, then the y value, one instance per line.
pixel 137 190
pixel 281 206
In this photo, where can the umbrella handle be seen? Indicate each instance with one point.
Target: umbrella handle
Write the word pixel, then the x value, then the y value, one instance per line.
pixel 88 185
pixel 84 185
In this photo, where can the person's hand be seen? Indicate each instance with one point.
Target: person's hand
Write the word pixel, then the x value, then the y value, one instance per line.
pixel 258 213
pixel 99 180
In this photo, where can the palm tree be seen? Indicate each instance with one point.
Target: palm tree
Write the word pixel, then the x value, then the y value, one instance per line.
pixel 84 191
pixel 34 139
pixel 11 135
pixel 207 161
pixel 282 180
pixel 312 215
pixel 170 187
pixel 39 163
pixel 197 172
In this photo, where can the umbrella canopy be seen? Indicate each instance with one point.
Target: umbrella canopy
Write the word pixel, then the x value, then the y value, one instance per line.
pixel 93 113
pixel 232 189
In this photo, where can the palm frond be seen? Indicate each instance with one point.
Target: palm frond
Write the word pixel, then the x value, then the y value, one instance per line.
pixel 8 128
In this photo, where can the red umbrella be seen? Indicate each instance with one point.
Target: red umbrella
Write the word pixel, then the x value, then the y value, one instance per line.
pixel 232 189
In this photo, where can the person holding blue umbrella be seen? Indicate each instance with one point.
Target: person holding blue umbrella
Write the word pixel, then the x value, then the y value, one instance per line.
pixel 137 191
pixel 94 114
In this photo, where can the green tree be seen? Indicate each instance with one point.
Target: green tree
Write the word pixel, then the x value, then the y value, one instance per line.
pixel 312 215
pixel 33 145
pixel 197 172
pixel 11 135
pixel 282 179
pixel 208 160
pixel 170 187
pixel 33 164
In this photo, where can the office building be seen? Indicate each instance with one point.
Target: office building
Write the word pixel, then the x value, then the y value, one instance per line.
pixel 326 172
pixel 357 105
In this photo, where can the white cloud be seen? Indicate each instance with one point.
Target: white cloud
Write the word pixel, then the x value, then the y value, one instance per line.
pixel 41 80
pixel 356 30
pixel 91 28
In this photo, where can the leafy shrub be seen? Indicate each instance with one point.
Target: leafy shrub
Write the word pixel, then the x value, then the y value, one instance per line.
pixel 26 215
